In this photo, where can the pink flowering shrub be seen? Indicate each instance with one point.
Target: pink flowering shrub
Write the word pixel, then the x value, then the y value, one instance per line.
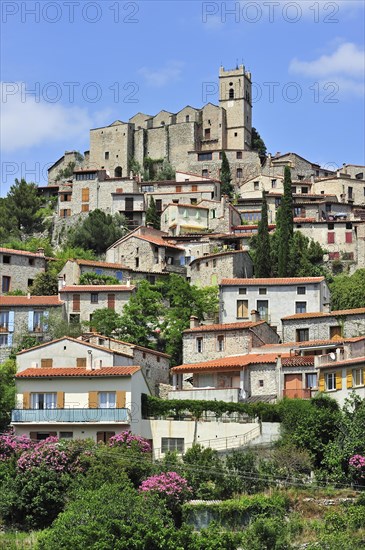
pixel 169 485
pixel 127 440
pixel 11 445
pixel 48 453
pixel 357 463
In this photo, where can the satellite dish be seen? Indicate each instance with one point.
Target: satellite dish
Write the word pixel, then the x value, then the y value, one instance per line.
pixel 333 356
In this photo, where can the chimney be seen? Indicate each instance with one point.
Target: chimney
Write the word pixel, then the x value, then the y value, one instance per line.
pixel 327 308
pixel 40 251
pixel 28 295
pixel 61 283
pixel 255 316
pixel 128 281
pixel 194 321
pixel 312 178
pixel 89 360
pixel 149 225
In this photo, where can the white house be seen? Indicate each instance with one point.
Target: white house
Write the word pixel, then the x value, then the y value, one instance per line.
pixel 273 298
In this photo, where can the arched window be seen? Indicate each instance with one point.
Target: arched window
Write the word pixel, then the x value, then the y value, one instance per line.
pixel 231 93
pixel 118 172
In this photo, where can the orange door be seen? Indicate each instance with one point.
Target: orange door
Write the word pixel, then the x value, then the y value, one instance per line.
pixel 293 385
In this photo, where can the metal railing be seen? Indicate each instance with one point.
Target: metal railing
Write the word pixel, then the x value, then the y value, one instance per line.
pixel 70 415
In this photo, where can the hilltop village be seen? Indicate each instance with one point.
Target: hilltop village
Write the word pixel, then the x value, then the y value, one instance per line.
pixel 217 278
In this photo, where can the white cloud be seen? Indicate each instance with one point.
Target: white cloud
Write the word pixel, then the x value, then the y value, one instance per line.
pixel 157 78
pixel 27 123
pixel 345 66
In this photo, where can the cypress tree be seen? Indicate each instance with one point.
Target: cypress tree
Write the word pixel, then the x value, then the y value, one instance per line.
pixel 226 178
pixel 152 215
pixel 284 227
pixel 262 253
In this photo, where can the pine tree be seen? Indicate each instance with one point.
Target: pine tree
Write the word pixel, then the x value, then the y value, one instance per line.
pixel 262 252
pixel 226 187
pixel 152 216
pixel 284 227
pixel 258 143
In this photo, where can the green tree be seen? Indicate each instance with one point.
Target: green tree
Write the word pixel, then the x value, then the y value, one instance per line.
pixel 58 326
pixel 284 227
pixel 305 257
pixel 45 284
pixel 262 261
pixel 69 253
pixel 225 177
pixel 167 171
pixel 106 321
pixel 204 471
pixel 22 205
pixel 348 292
pixel 90 278
pixel 257 143
pixel 97 231
pixel 7 392
pixel 152 216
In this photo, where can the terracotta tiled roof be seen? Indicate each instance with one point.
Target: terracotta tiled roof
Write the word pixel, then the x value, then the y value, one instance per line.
pixel 338 313
pixel 314 343
pixel 98 288
pixel 298 361
pixel 228 363
pixel 157 240
pixel 30 301
pixel 21 252
pixel 77 372
pixel 333 364
pixel 221 327
pixel 195 206
pixel 82 342
pixel 93 263
pixel 272 281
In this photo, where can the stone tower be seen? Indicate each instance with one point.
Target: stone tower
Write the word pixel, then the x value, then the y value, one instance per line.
pixel 235 94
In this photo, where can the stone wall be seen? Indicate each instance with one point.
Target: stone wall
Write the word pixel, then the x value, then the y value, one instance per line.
pixel 236 342
pixel 22 268
pixel 262 380
pixel 319 328
pixel 207 271
pixel 87 308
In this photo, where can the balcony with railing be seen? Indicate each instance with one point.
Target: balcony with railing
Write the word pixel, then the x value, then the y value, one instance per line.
pixel 79 416
pixel 329 358
pixel 207 394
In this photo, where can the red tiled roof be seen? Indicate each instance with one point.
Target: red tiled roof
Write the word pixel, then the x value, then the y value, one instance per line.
pixel 92 263
pixel 157 240
pixel 30 301
pixel 298 361
pixel 272 281
pixel 196 206
pixel 98 288
pixel 334 364
pixel 338 313
pixel 221 327
pixel 77 372
pixel 313 343
pixel 228 363
pixel 21 252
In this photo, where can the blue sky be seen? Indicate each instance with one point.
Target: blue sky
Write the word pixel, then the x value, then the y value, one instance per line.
pixel 68 66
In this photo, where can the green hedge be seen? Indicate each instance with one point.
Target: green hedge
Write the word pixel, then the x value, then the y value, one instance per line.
pixel 154 406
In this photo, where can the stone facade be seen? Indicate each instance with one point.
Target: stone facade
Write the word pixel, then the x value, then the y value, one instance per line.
pixel 155 365
pixel 301 168
pixel 207 342
pixel 62 163
pixel 209 270
pixel 19 269
pixel 324 326
pixel 81 301
pixel 22 316
pixel 345 187
pixel 179 137
pixel 238 297
pixel 145 249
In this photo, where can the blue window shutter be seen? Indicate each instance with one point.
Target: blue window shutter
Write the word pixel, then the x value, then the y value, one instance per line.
pixel 119 275
pixel 11 321
pixel 30 321
pixel 10 340
pixel 98 271
pixel 45 320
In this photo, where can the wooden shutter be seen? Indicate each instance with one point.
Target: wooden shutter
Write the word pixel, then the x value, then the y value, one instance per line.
pixel 85 194
pixel 76 302
pixel 26 400
pixel 111 301
pixel 46 363
pixel 33 436
pixel 321 382
pixel 349 378
pixel 60 400
pixel 81 362
pixel 121 399
pixel 93 399
pixel 84 208
pixel 52 434
pixel 100 436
